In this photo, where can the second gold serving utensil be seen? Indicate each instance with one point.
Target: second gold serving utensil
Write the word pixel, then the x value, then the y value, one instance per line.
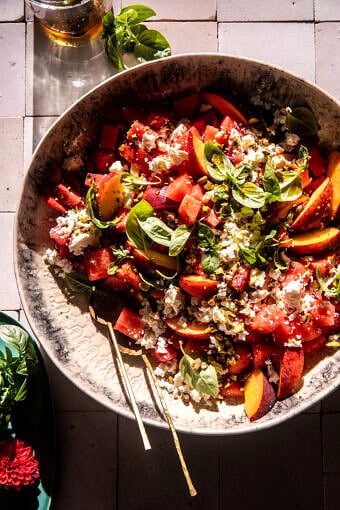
pixel 122 371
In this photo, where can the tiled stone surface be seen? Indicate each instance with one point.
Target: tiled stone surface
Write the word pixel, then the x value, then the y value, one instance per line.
pixel 327 48
pixel 189 37
pixel 327 10
pixel 9 297
pixel 181 10
pixel 288 45
pixel 12 69
pixel 11 10
pixel 11 156
pixel 265 10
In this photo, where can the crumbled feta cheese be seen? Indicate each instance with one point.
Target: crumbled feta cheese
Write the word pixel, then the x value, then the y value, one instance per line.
pixel 257 278
pixel 173 301
pixel 53 259
pixel 149 140
pixel 78 227
pixel 117 166
pixel 291 294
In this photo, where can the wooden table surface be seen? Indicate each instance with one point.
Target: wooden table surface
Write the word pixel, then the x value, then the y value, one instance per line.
pixel 101 463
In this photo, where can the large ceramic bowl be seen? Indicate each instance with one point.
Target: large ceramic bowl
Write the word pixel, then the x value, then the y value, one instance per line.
pixel 62 325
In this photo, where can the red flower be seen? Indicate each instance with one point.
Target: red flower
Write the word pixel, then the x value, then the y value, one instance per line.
pixel 18 465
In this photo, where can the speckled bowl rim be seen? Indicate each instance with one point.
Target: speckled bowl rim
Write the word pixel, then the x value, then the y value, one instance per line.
pixel 248 427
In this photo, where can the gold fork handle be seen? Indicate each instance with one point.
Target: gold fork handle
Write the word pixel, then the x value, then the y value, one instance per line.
pixel 132 398
pixel 167 415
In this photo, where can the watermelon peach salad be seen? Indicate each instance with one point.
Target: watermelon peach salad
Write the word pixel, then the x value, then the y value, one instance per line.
pixel 219 231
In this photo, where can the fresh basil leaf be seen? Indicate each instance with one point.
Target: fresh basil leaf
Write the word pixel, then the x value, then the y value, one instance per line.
pixel 14 336
pixel 304 156
pixel 205 236
pixel 218 166
pixel 21 393
pixel 113 55
pixel 151 45
pixel 301 121
pixel 90 200
pixel 179 239
pixel 198 374
pixel 134 14
pixel 78 283
pixel 125 33
pixel 109 25
pixel 210 261
pixel 271 183
pixel 140 212
pixel 156 230
pixel 250 195
pixel 247 255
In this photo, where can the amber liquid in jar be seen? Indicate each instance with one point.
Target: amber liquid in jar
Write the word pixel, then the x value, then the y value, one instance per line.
pixel 70 23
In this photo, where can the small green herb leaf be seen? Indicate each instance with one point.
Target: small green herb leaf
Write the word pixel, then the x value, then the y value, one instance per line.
pixel 198 374
pixel 301 121
pixel 125 33
pixel 156 229
pixel 139 213
pixel 207 242
pixel 179 239
pixel 134 14
pixel 250 195
pixel 78 283
pixel 151 45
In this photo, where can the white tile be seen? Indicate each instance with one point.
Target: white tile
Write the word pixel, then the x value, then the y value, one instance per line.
pixel 14 314
pixel 327 37
pixel 34 130
pixel 327 10
pixel 180 9
pixel 188 37
pixel 264 10
pixel 11 157
pixel 11 10
pixel 9 296
pixel 12 69
pixel 287 45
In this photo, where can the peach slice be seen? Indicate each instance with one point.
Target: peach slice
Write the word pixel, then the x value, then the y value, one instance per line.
pixel 279 210
pixel 154 258
pixel 291 368
pixel 259 395
pixel 333 172
pixel 198 153
pixel 316 208
pixel 193 330
pixel 314 242
pixel 199 286
pixel 224 107
pixel 110 196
